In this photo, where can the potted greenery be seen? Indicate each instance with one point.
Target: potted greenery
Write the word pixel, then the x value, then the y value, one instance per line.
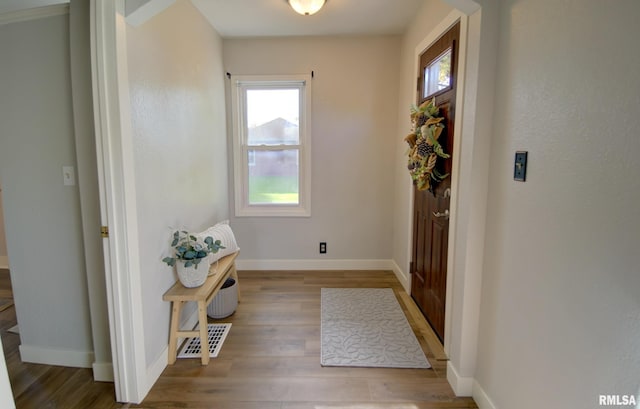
pixel 188 252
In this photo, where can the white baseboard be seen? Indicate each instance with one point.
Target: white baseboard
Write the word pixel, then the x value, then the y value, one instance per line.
pixel 481 397
pixel 462 386
pixel 103 372
pixel 4 262
pixel 315 264
pixel 60 357
pixel 467 386
pixel 162 360
pixel 404 278
pixel 154 371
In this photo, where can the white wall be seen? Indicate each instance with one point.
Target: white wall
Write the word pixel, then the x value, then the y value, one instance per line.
pixel 43 222
pixel 18 6
pixel 560 315
pixel 133 5
pixel 139 11
pixel 354 98
pixel 179 136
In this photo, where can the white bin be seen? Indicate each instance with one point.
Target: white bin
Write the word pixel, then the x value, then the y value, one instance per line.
pixel 225 302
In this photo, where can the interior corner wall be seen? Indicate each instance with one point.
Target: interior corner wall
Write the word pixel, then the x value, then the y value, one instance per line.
pixel 431 13
pixel 560 309
pixel 42 216
pixel 176 87
pixel 133 5
pixel 354 97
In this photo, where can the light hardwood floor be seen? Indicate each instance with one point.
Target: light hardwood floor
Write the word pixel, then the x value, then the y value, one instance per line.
pixel 42 386
pixel 270 359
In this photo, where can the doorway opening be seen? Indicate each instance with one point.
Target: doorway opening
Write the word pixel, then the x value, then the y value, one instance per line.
pixel 437 82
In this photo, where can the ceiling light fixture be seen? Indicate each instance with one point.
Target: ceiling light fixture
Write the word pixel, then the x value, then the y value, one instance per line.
pixel 306 7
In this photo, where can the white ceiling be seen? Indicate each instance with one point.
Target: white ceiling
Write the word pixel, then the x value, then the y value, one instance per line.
pixel 274 18
pixel 251 18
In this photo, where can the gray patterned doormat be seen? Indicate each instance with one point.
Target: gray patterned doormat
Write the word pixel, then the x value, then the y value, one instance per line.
pixel 366 327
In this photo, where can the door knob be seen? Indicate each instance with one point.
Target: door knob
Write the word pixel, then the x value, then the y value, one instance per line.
pixel 444 214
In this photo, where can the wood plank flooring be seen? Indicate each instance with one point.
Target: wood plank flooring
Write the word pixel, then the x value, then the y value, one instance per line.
pixel 270 360
pixel 42 386
pixel 271 357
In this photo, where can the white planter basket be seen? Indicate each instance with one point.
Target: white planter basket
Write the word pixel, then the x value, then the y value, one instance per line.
pixel 191 277
pixel 225 302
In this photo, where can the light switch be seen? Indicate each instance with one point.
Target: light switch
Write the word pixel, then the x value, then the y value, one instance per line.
pixel 520 166
pixel 68 176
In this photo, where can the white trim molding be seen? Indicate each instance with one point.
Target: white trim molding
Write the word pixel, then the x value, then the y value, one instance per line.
pixel 462 386
pixel 469 187
pixel 242 144
pixel 6 394
pixel 117 198
pixel 157 366
pixel 52 356
pixel 449 21
pixel 102 371
pixel 480 396
pixel 33 13
pixel 402 276
pixel 328 265
pixel 162 360
pixel 315 264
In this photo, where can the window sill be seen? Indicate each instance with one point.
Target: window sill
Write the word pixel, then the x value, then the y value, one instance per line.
pixel 273 211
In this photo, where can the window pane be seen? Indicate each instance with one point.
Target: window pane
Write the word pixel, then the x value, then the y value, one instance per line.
pixel 273 116
pixel 271 156
pixel 437 75
pixel 273 177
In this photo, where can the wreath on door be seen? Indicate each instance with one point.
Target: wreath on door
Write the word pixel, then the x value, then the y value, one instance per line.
pixel 424 149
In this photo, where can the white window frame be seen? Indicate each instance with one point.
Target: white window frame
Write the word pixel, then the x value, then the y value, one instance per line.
pixel 239 85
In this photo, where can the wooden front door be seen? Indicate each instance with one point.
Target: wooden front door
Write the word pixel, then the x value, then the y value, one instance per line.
pixel 431 208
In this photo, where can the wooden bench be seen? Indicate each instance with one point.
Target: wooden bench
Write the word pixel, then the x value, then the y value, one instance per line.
pixel 179 294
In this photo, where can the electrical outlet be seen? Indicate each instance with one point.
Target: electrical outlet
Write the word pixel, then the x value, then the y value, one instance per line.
pixel 323 247
pixel 520 166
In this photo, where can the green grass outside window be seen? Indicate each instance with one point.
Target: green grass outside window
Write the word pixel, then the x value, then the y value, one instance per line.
pixel 273 190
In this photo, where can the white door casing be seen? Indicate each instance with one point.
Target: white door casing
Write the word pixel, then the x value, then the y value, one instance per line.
pixel 117 197
pixel 6 395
